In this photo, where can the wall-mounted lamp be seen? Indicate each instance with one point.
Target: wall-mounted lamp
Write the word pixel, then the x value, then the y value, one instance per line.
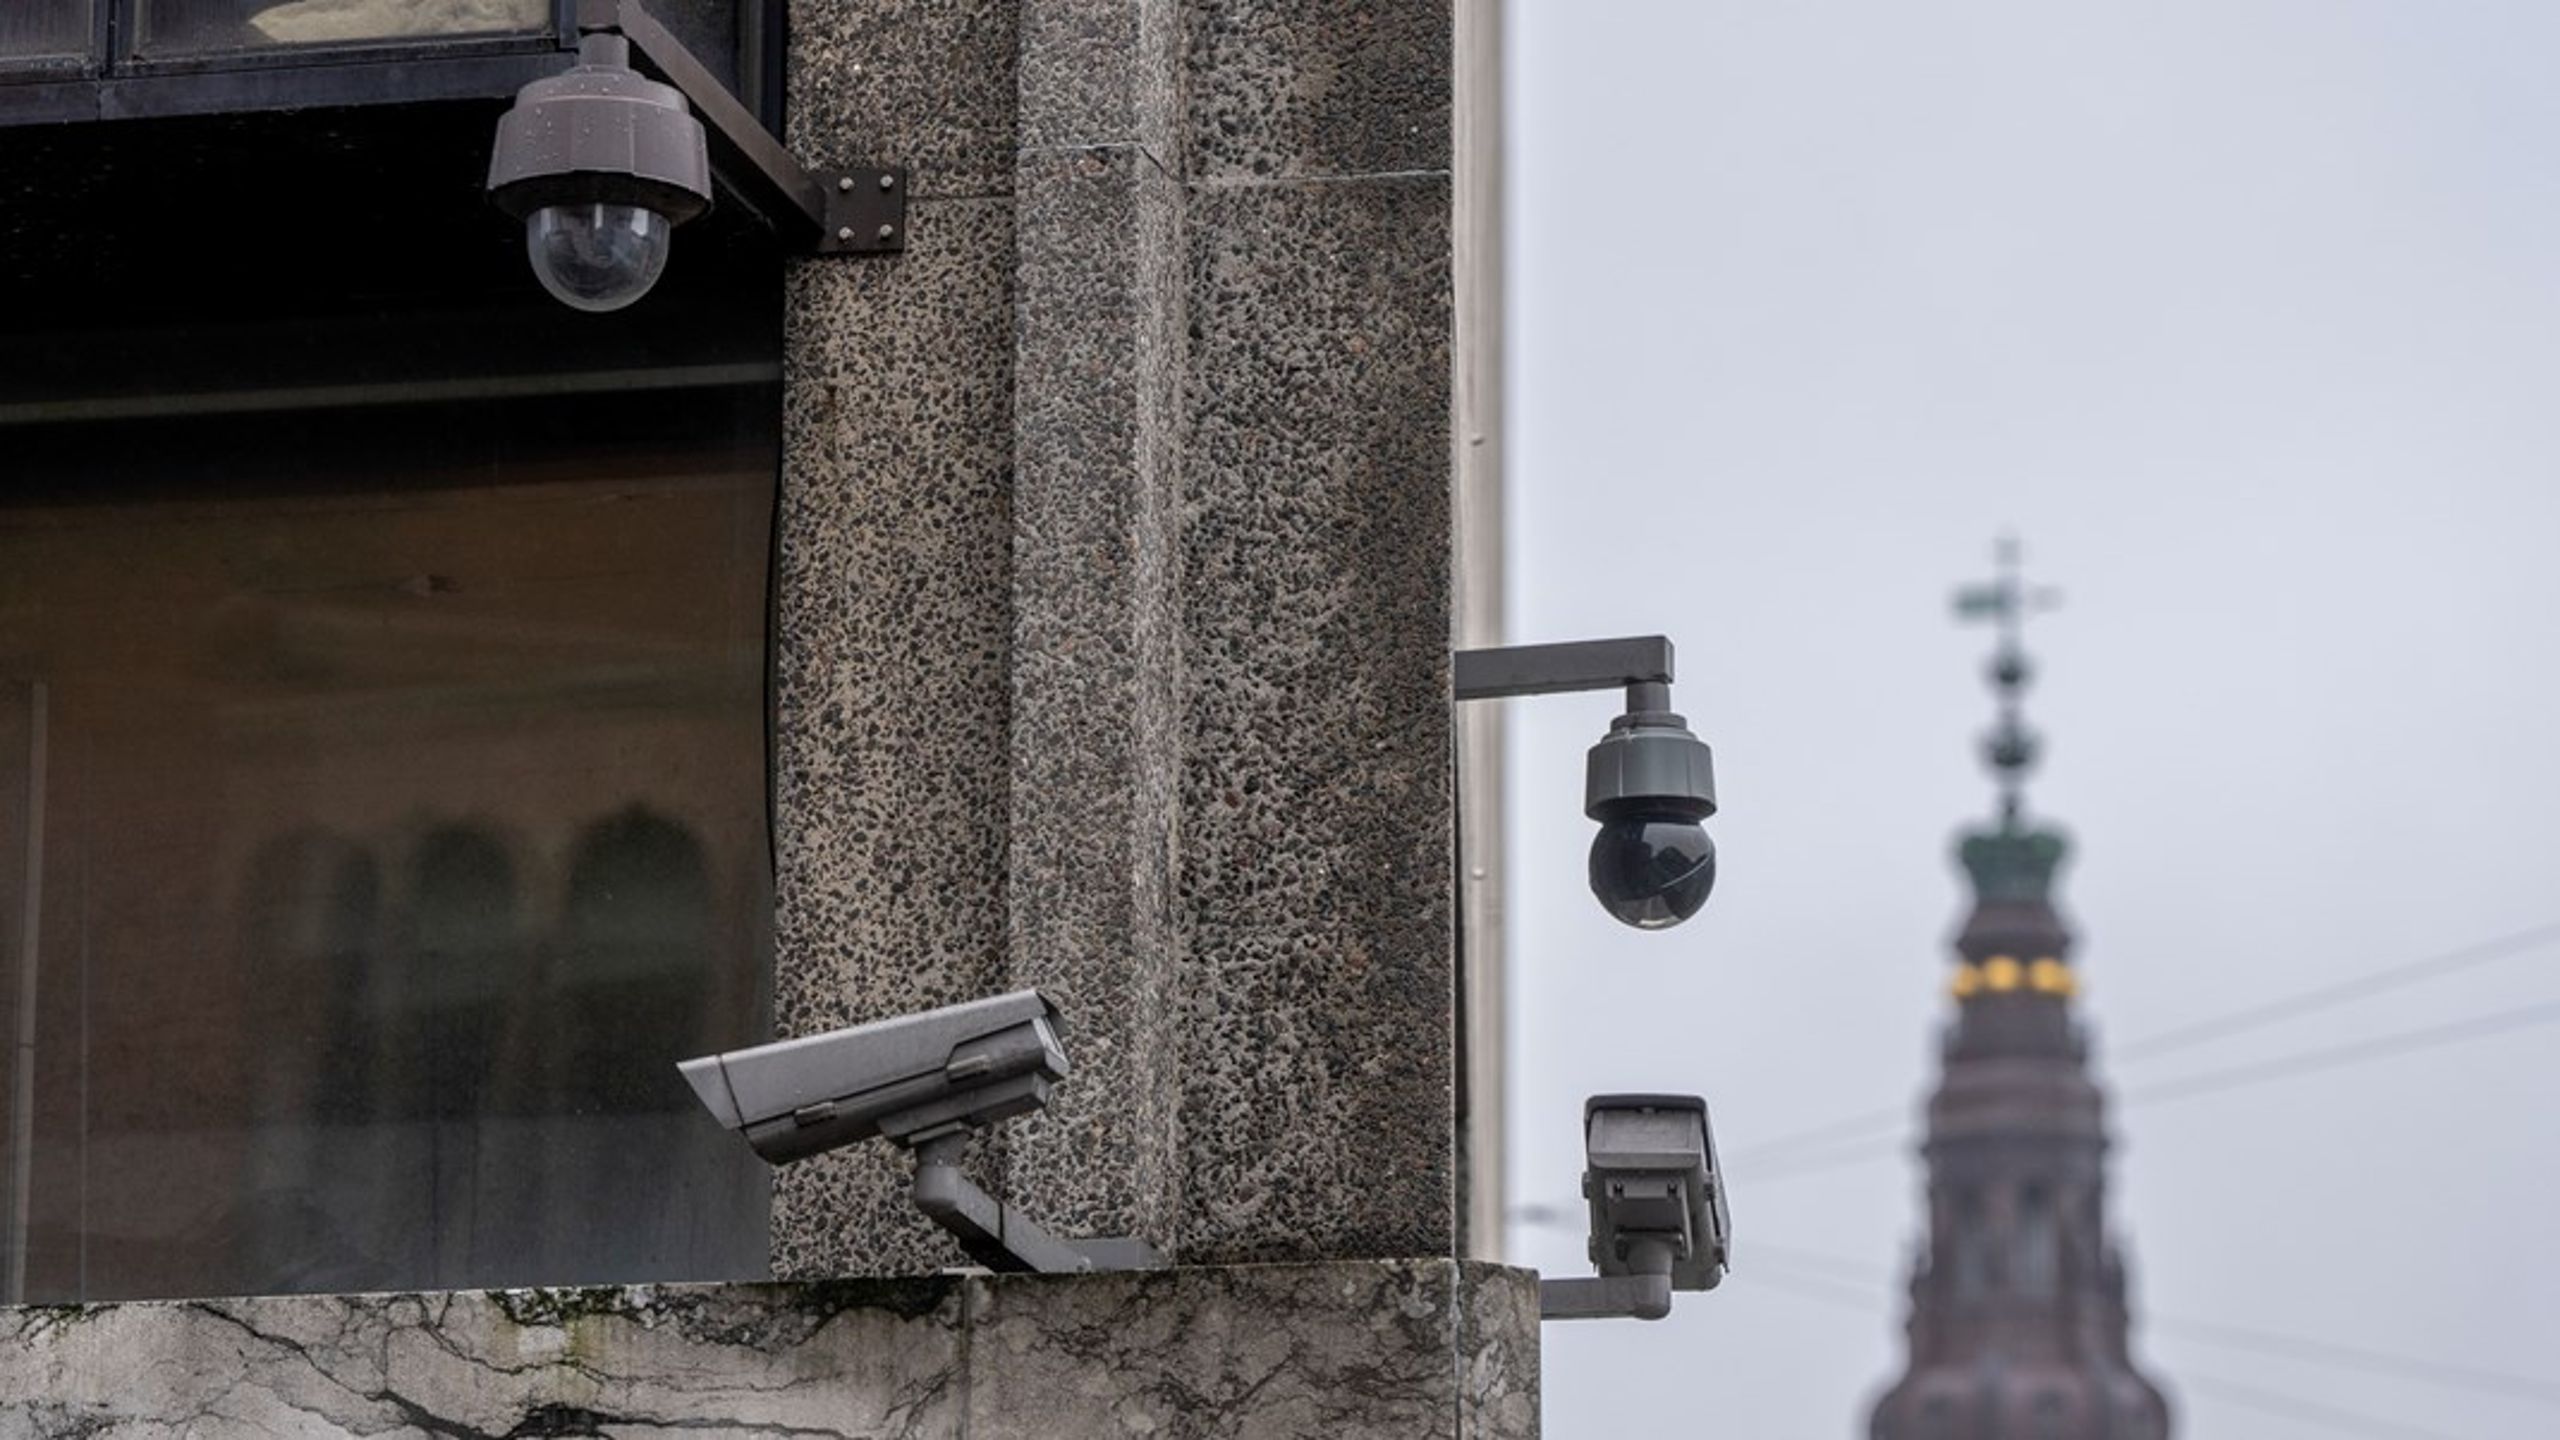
pixel 1649 782
pixel 601 164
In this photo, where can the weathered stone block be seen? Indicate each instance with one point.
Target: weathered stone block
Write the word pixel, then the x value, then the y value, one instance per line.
pixel 1316 87
pixel 1097 678
pixel 1347 1351
pixel 1316 891
pixel 1102 72
pixel 928 84
pixel 1402 1350
pixel 893 622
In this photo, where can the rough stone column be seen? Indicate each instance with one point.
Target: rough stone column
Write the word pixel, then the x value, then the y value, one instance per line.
pixel 1097 679
pixel 1115 607
pixel 893 615
pixel 1317 1066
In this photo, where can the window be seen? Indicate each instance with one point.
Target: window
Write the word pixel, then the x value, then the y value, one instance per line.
pixel 44 30
pixel 197 26
pixel 74 60
pixel 382 767
pixel 2036 1268
pixel 1970 1237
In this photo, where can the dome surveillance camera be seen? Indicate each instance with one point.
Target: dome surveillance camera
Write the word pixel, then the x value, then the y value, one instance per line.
pixel 597 256
pixel 1652 871
pixel 601 164
pixel 1650 784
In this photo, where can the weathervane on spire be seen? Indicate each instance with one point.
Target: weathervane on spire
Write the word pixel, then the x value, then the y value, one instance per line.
pixel 2006 601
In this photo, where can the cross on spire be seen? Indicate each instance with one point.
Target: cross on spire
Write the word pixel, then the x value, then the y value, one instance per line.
pixel 2006 601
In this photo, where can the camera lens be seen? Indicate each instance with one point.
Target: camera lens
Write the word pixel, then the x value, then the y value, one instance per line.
pixel 597 257
pixel 1652 872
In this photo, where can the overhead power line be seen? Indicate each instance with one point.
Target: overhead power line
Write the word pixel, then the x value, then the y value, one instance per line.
pixel 2185 1037
pixel 2336 1421
pixel 2283 1067
pixel 1852 1128
pixel 2362 986
pixel 2322 1352
pixel 1849 1272
pixel 1788 1167
pixel 1838 1295
pixel 2353 1053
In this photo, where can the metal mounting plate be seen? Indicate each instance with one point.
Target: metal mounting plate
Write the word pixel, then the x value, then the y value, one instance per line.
pixel 866 211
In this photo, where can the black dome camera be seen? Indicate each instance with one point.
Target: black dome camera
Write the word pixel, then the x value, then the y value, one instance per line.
pixel 1650 784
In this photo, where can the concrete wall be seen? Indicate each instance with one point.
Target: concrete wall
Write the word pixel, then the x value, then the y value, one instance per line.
pixel 1345 1351
pixel 1115 598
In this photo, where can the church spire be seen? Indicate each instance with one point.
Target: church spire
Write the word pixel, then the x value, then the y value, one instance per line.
pixel 2015 938
pixel 2018 1322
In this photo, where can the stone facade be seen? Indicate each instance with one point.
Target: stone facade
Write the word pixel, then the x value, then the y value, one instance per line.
pixel 1115 606
pixel 1346 1350
pixel 1112 609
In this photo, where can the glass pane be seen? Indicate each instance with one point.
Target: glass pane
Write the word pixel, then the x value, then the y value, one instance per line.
pixel 194 26
pixel 43 29
pixel 381 818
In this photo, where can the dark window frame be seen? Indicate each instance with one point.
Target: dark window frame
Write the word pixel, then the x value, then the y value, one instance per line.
pixel 112 83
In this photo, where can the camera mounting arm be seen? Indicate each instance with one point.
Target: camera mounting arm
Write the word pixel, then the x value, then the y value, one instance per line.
pixel 1553 669
pixel 1001 1237
pixel 1649 782
pixel 1644 1294
pixel 858 210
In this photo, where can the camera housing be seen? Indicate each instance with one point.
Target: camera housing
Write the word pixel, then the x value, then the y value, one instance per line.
pixel 1650 783
pixel 1658 1217
pixel 924 1082
pixel 963 1067
pixel 601 164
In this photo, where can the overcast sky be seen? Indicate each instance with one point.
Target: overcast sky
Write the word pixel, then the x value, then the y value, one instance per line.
pixel 2245 314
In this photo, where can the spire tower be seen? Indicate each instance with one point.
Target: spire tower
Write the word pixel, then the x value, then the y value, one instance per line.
pixel 2018 1325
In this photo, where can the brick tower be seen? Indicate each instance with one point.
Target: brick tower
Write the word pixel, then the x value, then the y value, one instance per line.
pixel 2018 1326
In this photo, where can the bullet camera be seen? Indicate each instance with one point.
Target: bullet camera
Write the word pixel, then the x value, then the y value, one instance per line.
pixel 924 1082
pixel 1658 1221
pixel 910 1079
pixel 1649 782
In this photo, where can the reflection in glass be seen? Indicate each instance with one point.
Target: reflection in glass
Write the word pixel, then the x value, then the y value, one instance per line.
pixel 400 809
pixel 186 26
pixel 42 29
pixel 310 913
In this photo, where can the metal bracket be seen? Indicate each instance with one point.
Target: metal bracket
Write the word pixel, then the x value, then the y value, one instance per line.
pixel 1605 1297
pixel 866 213
pixel 1550 669
pixel 1001 1237
pixel 859 210
pixel 1643 1292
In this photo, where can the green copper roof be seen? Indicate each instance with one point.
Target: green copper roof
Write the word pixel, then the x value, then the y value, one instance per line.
pixel 2013 864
